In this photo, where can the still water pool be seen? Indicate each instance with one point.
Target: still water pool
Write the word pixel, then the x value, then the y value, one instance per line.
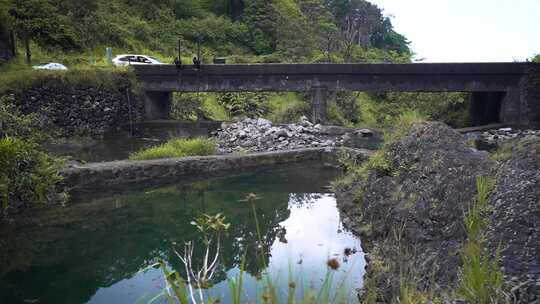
pixel 95 249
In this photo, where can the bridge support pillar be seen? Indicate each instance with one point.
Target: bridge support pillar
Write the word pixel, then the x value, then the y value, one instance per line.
pixel 530 96
pixel 157 105
pixel 318 104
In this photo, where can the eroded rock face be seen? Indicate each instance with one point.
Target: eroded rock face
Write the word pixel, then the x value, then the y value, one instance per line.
pixel 410 216
pixel 259 135
pixel 515 223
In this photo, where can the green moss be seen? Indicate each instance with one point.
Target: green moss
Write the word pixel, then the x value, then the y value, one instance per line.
pixel 179 147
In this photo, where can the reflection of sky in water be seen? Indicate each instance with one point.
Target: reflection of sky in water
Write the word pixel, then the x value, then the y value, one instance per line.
pixel 313 235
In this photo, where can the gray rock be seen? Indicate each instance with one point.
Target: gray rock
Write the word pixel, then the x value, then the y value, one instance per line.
pixel 424 193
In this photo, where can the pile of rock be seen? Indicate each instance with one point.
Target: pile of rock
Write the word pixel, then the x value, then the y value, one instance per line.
pixel 492 139
pixel 258 135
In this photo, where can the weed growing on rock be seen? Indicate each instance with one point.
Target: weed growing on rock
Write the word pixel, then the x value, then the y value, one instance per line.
pixel 379 161
pixel 178 147
pixel 481 279
pixel 403 125
pixel 502 154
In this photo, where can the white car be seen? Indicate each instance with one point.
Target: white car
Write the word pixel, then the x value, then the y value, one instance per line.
pixel 50 66
pixel 130 59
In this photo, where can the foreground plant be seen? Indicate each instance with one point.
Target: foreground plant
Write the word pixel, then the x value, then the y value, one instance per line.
pixel 192 287
pixel 481 280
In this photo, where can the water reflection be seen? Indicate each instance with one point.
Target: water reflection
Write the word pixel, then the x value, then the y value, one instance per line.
pixel 94 251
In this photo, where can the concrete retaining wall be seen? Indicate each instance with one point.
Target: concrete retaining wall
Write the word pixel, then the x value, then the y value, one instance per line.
pixel 120 174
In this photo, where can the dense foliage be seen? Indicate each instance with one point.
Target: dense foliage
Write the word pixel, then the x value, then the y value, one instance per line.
pixel 277 30
pixel 76 32
pixel 27 174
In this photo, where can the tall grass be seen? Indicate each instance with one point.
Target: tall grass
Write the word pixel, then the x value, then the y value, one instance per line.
pixel 403 124
pixel 178 147
pixel 481 280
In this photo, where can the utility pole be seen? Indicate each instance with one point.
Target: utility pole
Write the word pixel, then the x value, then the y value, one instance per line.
pixel 199 39
pixel 179 49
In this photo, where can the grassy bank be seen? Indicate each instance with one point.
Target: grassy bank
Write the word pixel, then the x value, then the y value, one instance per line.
pixel 179 147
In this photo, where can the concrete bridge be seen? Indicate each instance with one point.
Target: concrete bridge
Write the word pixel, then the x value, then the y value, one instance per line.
pixel 501 92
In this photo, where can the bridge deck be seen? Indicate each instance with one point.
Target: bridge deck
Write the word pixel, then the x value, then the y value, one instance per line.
pixel 471 77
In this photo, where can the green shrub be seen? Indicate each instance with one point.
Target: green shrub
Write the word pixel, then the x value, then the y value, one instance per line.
pixel 286 107
pixel 381 110
pixel 213 109
pixel 245 104
pixel 187 107
pixel 178 147
pixel 14 123
pixel 27 175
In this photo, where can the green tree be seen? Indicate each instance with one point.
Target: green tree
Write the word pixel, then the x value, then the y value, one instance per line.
pixel 295 37
pixel 384 37
pixel 261 26
pixel 38 20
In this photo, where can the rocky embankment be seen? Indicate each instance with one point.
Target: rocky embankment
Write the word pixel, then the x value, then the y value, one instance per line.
pixel 261 135
pixel 409 212
pixel 495 138
pixel 515 223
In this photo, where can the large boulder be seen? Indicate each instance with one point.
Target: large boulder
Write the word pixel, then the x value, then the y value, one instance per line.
pixel 409 207
pixel 515 224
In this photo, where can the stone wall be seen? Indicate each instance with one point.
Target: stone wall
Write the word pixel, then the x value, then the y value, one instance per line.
pixel 86 102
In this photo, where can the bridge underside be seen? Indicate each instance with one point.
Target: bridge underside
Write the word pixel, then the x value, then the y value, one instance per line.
pixel 501 92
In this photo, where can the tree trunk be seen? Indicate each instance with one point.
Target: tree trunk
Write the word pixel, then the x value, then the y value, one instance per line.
pixel 28 51
pixel 236 9
pixel 13 43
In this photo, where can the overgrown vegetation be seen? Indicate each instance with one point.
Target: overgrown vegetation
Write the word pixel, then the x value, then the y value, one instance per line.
pixel 379 161
pixel 177 147
pixel 77 33
pixel 27 174
pixel 256 30
pixel 17 82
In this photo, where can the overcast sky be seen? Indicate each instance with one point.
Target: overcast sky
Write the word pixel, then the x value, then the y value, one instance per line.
pixel 467 30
